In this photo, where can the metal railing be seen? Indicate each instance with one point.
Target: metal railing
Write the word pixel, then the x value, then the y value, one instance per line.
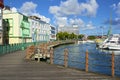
pixel 15 47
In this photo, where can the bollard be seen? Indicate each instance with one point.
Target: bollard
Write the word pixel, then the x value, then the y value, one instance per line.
pixel 51 55
pixel 38 54
pixel 113 63
pixel 86 61
pixel 66 58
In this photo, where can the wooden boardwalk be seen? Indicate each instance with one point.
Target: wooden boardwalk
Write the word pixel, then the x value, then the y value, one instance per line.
pixel 13 66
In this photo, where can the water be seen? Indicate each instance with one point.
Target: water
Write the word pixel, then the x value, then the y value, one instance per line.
pixel 99 60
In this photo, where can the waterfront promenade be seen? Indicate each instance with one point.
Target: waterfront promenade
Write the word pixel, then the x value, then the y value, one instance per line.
pixel 13 66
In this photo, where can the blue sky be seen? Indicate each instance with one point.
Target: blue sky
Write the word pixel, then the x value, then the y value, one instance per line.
pixel 92 16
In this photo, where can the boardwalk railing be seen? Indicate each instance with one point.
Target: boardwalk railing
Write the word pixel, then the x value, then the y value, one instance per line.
pixel 100 63
pixel 14 47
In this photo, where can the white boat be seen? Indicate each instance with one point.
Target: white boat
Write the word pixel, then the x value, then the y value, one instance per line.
pixel 116 47
pixel 112 42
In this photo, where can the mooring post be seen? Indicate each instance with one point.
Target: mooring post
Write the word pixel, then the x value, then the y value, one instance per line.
pixel 113 64
pixel 38 50
pixel 51 55
pixel 66 58
pixel 86 61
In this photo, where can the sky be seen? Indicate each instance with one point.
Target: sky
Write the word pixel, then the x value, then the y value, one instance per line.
pixel 94 17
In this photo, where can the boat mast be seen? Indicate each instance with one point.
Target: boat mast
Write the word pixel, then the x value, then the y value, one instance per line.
pixel 110 28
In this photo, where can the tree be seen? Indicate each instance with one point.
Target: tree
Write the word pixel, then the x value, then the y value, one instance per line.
pixel 80 36
pixel 91 37
pixel 66 36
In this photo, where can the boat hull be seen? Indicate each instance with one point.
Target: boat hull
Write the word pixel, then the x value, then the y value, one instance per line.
pixel 114 47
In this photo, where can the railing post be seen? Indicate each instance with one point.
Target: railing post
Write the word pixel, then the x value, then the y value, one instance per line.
pixel 66 58
pixel 113 63
pixel 86 61
pixel 51 55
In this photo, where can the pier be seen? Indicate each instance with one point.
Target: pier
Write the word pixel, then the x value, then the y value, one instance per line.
pixel 18 65
pixel 14 66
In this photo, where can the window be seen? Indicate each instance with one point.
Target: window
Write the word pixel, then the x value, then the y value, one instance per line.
pixel 25 18
pixel 11 26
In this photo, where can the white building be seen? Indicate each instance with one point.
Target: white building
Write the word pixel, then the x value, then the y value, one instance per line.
pixel 44 31
pixel 40 30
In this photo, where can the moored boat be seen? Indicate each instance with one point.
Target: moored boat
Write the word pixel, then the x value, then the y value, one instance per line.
pixel 112 42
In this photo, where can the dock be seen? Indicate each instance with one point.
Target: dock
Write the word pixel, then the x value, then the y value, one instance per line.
pixel 13 66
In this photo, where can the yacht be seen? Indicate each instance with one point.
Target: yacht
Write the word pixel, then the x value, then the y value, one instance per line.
pixel 112 42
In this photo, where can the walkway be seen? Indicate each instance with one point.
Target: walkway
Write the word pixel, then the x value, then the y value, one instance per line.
pixel 14 67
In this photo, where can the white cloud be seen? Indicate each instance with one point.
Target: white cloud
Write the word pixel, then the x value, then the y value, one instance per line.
pixel 65 12
pixel 76 21
pixel 88 26
pixel 89 8
pixel 64 21
pixel 13 9
pixel 61 21
pixel 117 8
pixel 29 9
pixel 73 7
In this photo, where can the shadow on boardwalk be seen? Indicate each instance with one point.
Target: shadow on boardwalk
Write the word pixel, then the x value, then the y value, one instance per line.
pixel 13 66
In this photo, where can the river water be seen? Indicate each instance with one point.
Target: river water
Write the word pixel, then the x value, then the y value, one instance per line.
pixel 99 60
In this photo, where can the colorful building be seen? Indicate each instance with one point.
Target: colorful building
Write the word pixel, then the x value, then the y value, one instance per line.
pixel 19 31
pixel 19 28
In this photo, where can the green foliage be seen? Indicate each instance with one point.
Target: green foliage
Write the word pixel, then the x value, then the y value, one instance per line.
pixel 68 36
pixel 91 37
pixel 80 36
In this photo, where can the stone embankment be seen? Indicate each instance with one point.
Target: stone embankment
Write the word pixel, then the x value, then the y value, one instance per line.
pixel 43 50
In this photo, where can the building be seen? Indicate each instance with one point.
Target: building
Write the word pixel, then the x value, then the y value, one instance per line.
pixel 34 27
pixel 19 26
pixel 6 29
pixel 40 30
pixel 1 26
pixel 45 31
pixel 69 29
pixel 52 33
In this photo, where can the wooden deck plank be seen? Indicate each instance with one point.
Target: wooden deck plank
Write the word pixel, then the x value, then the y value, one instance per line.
pixel 13 66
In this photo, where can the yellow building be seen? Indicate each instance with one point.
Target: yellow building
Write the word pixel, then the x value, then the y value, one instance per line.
pixel 19 27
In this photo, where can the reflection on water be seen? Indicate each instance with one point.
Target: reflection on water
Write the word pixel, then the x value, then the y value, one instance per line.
pixel 116 52
pixel 99 60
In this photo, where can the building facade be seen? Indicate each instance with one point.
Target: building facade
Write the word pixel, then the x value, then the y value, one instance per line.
pixel 19 27
pixel 44 31
pixel 40 30
pixel 52 33
pixel 1 18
